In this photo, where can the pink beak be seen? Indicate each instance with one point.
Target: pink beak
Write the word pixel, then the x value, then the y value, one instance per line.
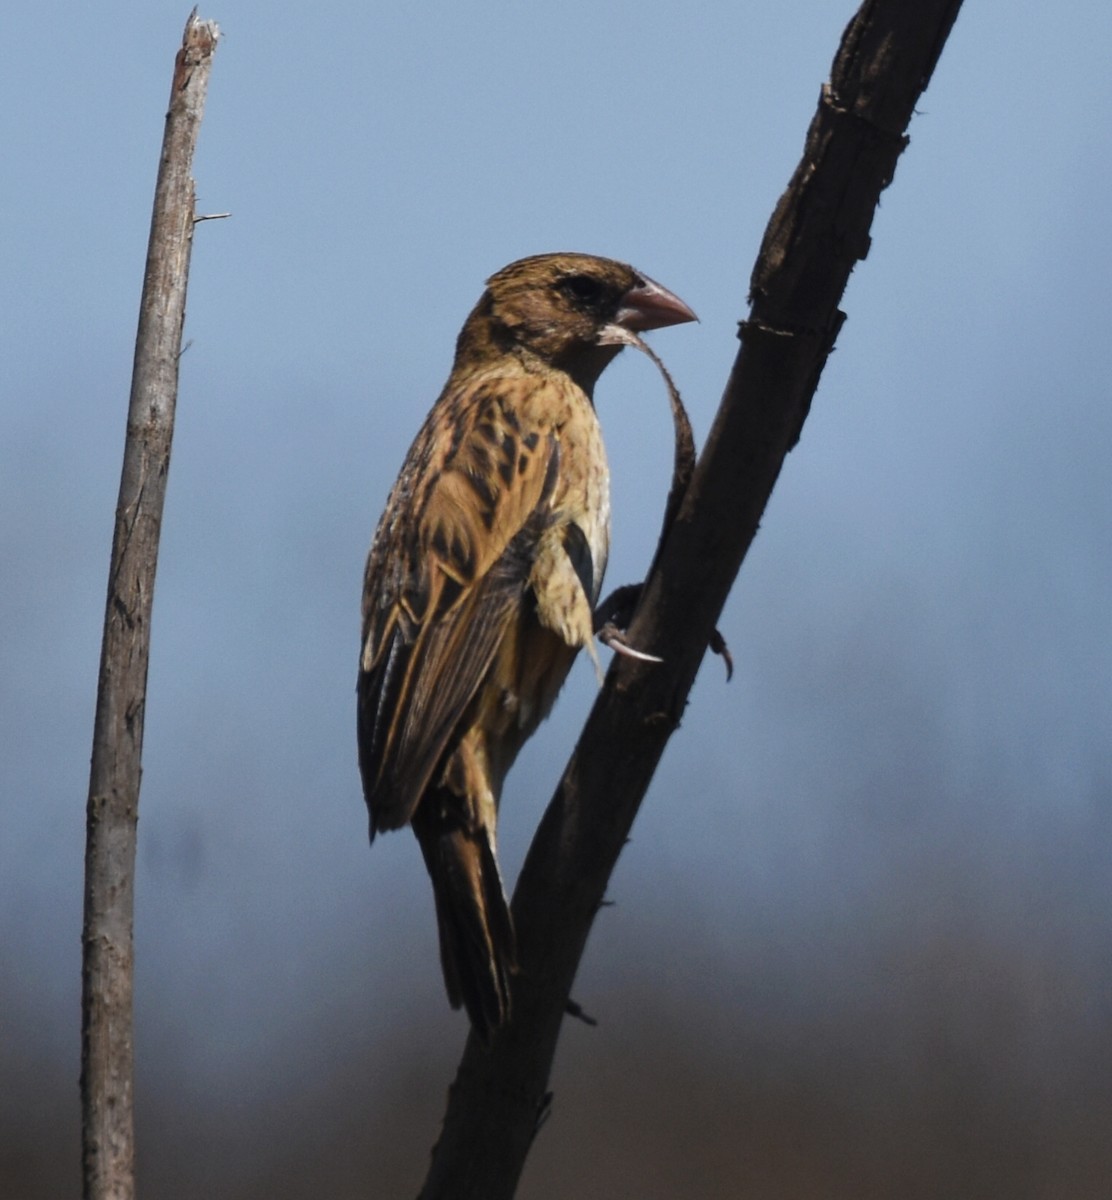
pixel 650 306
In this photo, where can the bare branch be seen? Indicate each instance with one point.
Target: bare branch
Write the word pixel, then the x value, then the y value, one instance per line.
pixel 113 806
pixel 819 230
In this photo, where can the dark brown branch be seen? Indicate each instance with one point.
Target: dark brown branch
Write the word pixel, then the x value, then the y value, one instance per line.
pixel 106 998
pixel 819 230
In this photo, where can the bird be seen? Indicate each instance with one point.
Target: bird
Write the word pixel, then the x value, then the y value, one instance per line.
pixel 481 582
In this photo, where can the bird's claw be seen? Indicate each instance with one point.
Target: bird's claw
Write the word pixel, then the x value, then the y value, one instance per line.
pixel 613 615
pixel 718 645
pixel 610 635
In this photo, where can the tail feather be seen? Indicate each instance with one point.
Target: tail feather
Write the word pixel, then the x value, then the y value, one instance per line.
pixel 477 945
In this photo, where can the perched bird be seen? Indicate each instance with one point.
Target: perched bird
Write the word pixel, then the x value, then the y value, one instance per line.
pixel 481 582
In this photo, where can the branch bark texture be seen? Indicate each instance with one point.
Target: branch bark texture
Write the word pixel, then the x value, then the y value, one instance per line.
pixel 113 805
pixel 819 230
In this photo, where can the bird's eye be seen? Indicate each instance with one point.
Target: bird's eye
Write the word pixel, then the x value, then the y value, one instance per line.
pixel 582 289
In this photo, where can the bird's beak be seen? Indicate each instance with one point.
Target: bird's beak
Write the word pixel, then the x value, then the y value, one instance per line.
pixel 650 306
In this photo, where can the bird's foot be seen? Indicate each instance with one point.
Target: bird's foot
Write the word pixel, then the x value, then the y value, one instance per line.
pixel 617 609
pixel 614 614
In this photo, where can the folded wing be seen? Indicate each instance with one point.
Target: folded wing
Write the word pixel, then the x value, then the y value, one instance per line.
pixel 445 581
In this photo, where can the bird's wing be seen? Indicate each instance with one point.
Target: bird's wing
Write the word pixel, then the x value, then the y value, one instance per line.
pixel 445 580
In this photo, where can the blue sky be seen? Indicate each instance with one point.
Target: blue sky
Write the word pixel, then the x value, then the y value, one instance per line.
pixel 918 728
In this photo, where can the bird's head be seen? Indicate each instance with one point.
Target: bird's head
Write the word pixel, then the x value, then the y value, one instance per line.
pixel 569 310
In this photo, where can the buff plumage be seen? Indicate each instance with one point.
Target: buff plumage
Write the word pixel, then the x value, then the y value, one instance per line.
pixel 481 582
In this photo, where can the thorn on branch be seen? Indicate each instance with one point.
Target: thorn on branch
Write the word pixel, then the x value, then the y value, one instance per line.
pixel 574 1010
pixel 544 1111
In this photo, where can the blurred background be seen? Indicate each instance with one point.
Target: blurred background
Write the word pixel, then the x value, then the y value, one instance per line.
pixel 862 940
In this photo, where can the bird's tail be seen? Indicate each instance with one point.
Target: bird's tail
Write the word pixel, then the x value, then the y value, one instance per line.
pixel 477 947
